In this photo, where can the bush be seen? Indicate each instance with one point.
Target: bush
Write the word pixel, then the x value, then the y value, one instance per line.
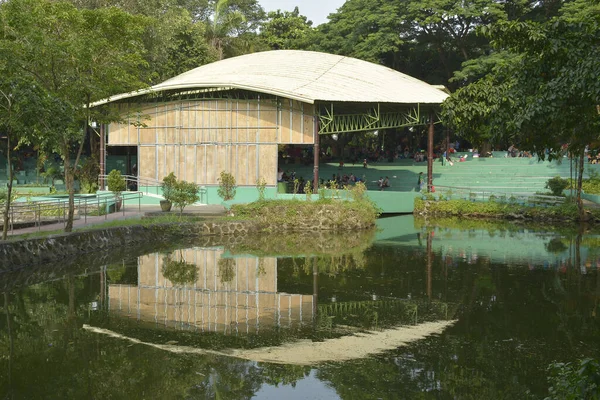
pixel 574 381
pixel 168 186
pixel 227 187
pixel 88 175
pixel 261 185
pixel 116 182
pixel 183 194
pixel 557 185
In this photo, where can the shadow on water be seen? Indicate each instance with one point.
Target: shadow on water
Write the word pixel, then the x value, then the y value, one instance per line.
pixel 200 319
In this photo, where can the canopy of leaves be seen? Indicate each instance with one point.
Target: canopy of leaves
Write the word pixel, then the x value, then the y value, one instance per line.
pixel 286 30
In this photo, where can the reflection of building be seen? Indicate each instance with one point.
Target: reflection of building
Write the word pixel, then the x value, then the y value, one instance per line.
pixel 245 303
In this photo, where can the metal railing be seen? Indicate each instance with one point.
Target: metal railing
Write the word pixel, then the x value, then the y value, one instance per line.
pixel 476 194
pixel 149 186
pixel 38 213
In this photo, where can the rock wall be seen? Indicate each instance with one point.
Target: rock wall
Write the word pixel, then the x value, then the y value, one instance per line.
pixel 18 253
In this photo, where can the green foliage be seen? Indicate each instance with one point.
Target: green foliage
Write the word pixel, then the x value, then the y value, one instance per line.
pixel 495 209
pixel 261 185
pixel 227 186
pixel 322 192
pixel 88 175
pixel 183 194
pixel 308 188
pixel 298 213
pixel 116 182
pixel 557 185
pixel 51 174
pixel 168 186
pixel 179 272
pixel 286 30
pixel 573 381
pixel 357 191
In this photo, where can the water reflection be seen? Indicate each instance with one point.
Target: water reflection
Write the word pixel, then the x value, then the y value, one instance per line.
pixel 508 300
pixel 209 293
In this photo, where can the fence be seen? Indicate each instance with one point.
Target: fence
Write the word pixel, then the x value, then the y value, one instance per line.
pixel 38 213
pixel 466 193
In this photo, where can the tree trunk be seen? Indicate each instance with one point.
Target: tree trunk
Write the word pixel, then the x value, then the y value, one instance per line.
pixel 11 176
pixel 70 181
pixel 582 216
pixel 70 189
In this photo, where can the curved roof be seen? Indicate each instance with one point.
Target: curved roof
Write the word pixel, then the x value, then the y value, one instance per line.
pixel 306 76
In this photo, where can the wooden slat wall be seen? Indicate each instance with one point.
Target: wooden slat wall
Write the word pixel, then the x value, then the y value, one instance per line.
pixel 199 139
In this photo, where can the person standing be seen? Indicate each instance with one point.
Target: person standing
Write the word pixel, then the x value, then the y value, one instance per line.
pixel 421 181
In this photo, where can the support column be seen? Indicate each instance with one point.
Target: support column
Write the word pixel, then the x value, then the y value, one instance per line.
pixel 102 157
pixel 430 154
pixel 316 157
pixel 447 145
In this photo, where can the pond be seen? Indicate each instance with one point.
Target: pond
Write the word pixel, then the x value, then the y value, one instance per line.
pixel 451 309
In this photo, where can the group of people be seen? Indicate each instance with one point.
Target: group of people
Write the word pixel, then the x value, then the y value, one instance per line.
pixel 383 183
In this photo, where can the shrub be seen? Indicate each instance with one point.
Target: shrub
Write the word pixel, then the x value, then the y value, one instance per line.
pixel 261 185
pixel 88 175
pixel 574 381
pixel 116 182
pixel 557 185
pixel 183 194
pixel 308 190
pixel 168 186
pixel 227 186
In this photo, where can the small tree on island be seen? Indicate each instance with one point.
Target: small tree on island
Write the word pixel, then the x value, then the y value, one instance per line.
pixel 227 187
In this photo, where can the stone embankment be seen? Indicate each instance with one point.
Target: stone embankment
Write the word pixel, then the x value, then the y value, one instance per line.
pixel 56 247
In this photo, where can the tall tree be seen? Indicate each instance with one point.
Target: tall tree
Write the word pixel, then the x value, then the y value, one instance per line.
pixel 546 96
pixel 286 30
pixel 77 57
pixel 22 108
pixel 232 25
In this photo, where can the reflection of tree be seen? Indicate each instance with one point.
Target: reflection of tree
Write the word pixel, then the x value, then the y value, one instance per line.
pixel 179 272
pixel 556 246
pixel 226 269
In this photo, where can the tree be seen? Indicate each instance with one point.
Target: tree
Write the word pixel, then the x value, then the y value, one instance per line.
pixel 227 187
pixel 22 108
pixel 183 194
pixel 286 30
pixel 76 56
pixel 229 22
pixel 543 99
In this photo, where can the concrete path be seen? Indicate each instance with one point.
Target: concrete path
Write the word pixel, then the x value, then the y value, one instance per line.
pixel 127 212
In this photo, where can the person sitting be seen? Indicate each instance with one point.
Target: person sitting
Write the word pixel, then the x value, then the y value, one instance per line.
pixel 279 175
pixel 380 183
pixel 385 183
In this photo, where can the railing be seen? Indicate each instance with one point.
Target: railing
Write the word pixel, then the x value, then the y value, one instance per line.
pixel 466 193
pixel 38 213
pixel 149 186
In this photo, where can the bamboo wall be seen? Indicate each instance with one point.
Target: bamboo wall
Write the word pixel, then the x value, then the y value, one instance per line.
pixel 199 139
pixel 245 304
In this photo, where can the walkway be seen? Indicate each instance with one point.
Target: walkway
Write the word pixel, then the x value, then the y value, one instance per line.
pixel 129 212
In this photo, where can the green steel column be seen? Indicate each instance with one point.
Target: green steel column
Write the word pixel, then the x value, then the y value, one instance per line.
pixel 430 154
pixel 316 157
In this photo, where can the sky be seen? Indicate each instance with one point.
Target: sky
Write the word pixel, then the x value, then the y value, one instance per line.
pixel 316 10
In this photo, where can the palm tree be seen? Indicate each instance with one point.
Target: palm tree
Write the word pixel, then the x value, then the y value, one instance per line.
pixel 221 30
